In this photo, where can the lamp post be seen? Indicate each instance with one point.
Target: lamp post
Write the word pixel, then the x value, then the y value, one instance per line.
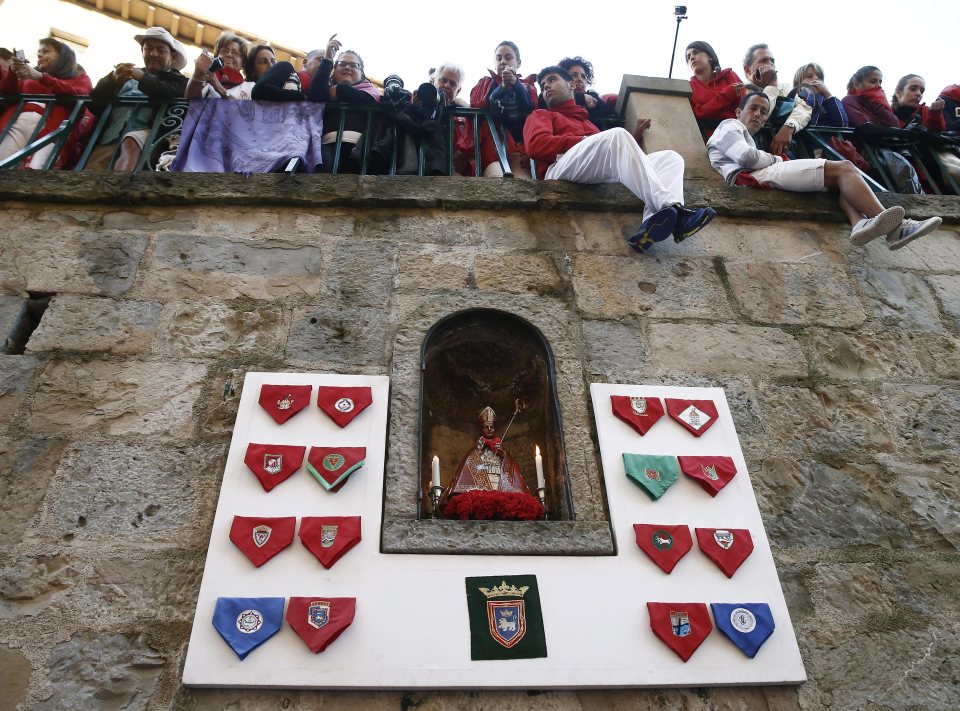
pixel 681 13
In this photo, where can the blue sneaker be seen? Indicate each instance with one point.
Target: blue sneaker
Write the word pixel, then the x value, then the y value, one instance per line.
pixel 655 228
pixel 691 220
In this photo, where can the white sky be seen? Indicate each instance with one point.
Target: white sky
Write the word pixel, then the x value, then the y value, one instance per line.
pixel 406 38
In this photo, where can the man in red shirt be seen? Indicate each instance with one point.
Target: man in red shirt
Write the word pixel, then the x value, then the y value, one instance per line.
pixel 567 146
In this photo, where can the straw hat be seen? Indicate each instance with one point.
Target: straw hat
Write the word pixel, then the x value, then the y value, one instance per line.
pixel 176 49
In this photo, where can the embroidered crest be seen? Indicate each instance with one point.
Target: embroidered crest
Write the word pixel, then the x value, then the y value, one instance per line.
pixel 653 474
pixel 638 405
pixel 743 620
pixel 694 417
pixel 261 534
pixel 723 538
pixel 272 463
pixel 249 621
pixel 344 404
pixel 318 613
pixel 332 462
pixel 328 534
pixel 662 540
pixel 286 403
pixel 679 623
pixel 710 472
pixel 508 623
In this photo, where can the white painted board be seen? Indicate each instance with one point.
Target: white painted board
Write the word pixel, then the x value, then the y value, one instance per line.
pixel 411 628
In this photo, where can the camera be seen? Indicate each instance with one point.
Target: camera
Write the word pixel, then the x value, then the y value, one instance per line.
pixel 679 10
pixel 430 98
pixel 393 90
pixel 20 55
pixel 216 65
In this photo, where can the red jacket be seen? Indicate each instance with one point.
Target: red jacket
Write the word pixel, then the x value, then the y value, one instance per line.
pixel 932 120
pixel 79 85
pixel 550 132
pixel 717 99
pixel 479 99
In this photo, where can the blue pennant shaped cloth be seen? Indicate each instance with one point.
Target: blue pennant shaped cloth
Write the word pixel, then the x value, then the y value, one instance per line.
pixel 747 624
pixel 247 622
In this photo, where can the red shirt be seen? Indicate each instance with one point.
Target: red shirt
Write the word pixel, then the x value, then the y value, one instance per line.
pixel 550 132
pixel 717 98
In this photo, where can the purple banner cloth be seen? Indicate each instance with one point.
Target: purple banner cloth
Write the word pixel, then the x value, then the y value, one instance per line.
pixel 239 136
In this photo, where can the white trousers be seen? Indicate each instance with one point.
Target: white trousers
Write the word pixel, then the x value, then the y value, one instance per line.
pixel 613 156
pixel 18 136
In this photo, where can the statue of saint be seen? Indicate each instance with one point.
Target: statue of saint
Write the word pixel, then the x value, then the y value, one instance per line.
pixel 487 466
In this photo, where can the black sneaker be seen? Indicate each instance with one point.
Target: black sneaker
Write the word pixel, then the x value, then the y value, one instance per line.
pixel 691 220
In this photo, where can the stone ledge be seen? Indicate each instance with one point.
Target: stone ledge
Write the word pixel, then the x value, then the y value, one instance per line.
pixel 442 537
pixel 153 189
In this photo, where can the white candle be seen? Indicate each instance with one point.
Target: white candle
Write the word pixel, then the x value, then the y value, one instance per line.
pixel 436 471
pixel 539 461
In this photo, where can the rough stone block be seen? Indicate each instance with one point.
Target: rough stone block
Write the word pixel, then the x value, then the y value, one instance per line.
pixel 68 218
pixel 122 589
pixel 432 267
pixel 149 221
pixel 15 673
pixel 185 266
pixel 606 233
pixel 611 287
pixel 257 223
pixel 855 590
pixel 28 585
pixel 947 289
pixel 75 260
pixel 898 299
pixel 795 293
pixel 96 671
pixel 141 493
pixel 938 355
pixel 209 330
pixel 863 355
pixel 517 273
pixel 315 226
pixel 11 311
pixel 224 399
pixel 26 468
pixel 77 323
pixel 117 398
pixel 361 274
pixel 928 587
pixel 614 346
pixel 830 419
pixel 356 336
pixel 412 226
pixel 725 348
pixel 925 418
pixel 809 504
pixel 809 243
pixel 15 374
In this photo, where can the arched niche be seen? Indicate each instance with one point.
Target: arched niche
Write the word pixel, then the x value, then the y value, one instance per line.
pixel 481 357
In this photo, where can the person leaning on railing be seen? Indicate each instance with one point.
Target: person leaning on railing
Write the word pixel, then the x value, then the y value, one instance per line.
pixel 158 78
pixel 56 73
pixel 826 108
pixel 283 83
pixel 716 92
pixel 226 82
pixel 342 82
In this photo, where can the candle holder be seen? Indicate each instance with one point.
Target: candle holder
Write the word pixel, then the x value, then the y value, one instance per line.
pixel 435 492
pixel 542 493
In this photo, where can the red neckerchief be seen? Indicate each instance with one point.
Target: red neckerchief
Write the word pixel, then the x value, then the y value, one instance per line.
pixel 229 77
pixel 874 95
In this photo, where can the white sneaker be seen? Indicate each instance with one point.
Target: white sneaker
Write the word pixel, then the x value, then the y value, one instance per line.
pixel 909 230
pixel 871 228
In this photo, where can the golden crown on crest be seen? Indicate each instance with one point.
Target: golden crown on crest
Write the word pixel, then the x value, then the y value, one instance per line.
pixel 503 590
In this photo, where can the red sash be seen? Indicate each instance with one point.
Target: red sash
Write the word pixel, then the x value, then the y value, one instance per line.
pixel 711 473
pixel 329 538
pixel 641 413
pixel 696 416
pixel 682 626
pixel 273 463
pixel 727 547
pixel 320 620
pixel 262 538
pixel 284 401
pixel 332 465
pixel 343 404
pixel 665 545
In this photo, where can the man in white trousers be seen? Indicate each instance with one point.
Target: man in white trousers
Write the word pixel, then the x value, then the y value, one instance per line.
pixel 567 146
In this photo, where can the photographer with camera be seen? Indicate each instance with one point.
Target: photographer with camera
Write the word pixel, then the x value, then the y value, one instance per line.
pixel 337 83
pixel 219 76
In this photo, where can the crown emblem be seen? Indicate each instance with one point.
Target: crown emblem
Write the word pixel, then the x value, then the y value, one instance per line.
pixel 503 590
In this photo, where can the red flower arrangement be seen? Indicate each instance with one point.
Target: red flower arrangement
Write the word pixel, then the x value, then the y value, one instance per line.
pixel 481 505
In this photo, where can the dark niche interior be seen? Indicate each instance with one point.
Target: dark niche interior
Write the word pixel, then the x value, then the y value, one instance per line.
pixel 483 357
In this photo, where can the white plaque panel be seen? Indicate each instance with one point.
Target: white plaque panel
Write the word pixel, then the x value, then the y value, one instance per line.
pixel 411 628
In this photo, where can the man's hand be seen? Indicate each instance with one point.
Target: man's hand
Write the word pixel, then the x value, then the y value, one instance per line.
pixel 202 66
pixel 765 77
pixel 780 142
pixel 937 105
pixel 640 129
pixel 123 72
pixel 508 78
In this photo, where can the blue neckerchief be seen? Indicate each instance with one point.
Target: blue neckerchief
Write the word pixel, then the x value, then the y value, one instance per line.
pixel 747 624
pixel 247 622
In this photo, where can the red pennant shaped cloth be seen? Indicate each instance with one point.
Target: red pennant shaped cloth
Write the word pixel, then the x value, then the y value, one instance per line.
pixel 727 547
pixel 682 626
pixel 284 401
pixel 696 416
pixel 320 620
pixel 262 538
pixel 343 404
pixel 273 463
pixel 332 465
pixel 641 413
pixel 329 537
pixel 711 473
pixel 665 545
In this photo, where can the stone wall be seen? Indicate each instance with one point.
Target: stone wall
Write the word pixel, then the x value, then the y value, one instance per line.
pixel 842 367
